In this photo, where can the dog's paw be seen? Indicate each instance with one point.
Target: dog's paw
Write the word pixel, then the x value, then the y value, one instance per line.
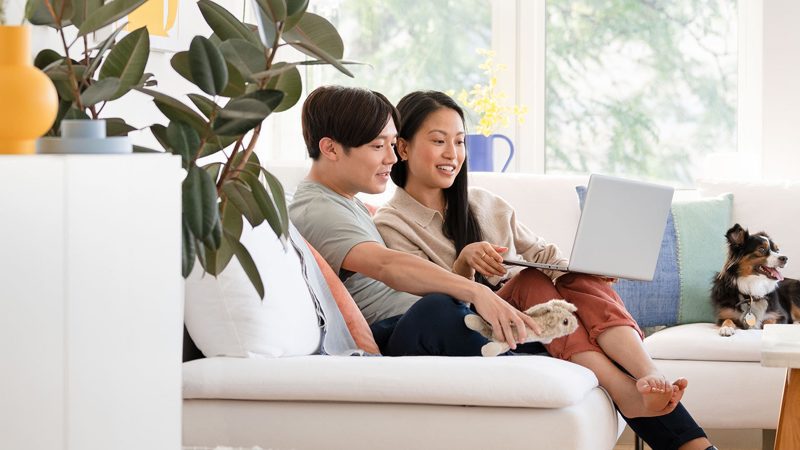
pixel 727 331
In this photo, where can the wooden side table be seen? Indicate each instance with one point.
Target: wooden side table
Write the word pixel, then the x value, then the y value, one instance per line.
pixel 780 347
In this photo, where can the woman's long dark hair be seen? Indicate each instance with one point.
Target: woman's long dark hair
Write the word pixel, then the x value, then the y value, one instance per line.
pixel 460 223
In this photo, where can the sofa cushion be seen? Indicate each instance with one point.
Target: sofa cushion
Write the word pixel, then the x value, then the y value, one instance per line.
pixel 692 250
pixel 226 317
pixel 356 323
pixel 516 381
pixel 769 206
pixel 702 342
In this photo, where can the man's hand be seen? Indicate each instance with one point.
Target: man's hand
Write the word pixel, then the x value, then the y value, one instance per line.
pixel 481 257
pixel 502 316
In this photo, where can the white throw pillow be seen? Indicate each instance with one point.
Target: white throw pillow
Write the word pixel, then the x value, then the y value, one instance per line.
pixel 226 317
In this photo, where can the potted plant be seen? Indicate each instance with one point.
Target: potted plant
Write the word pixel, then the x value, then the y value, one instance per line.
pixel 237 70
pixel 29 98
pixel 488 104
pixel 88 78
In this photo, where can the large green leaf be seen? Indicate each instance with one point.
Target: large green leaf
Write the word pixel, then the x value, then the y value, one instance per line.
pixel 319 53
pixel 60 71
pixel 216 143
pixel 207 66
pixel 247 263
pixel 243 114
pixel 183 140
pixel 37 13
pixel 265 203
pixel 231 226
pixel 224 24
pixel 214 239
pixel 84 9
pixel 102 49
pixel 189 253
pixel 294 11
pixel 274 9
pixel 246 57
pixel 240 195
pixel 204 104
pixel 236 84
pixel 276 70
pixel 46 57
pixel 279 198
pixel 200 211
pixel 127 60
pixel 180 63
pixel 176 110
pixel 316 31
pixel 290 83
pixel 266 28
pixel 116 126
pixel 100 91
pixel 107 14
pixel 240 116
pixel 75 114
pixel 160 133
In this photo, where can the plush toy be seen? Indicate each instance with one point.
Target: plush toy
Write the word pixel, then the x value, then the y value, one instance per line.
pixel 555 318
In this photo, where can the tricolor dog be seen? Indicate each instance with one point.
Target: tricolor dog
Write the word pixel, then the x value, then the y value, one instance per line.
pixel 750 290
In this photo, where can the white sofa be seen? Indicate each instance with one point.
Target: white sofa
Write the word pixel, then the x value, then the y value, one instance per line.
pixel 530 402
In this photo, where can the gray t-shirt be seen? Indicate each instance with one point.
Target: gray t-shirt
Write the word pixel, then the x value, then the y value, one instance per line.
pixel 334 224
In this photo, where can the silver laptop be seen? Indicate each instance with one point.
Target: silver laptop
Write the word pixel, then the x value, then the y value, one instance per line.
pixel 620 230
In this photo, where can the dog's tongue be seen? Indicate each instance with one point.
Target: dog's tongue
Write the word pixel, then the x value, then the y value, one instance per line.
pixel 773 272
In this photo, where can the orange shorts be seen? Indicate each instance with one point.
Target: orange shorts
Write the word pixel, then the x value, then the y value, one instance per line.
pixel 599 307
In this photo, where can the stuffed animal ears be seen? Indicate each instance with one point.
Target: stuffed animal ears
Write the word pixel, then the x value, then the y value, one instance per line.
pixel 737 235
pixel 549 306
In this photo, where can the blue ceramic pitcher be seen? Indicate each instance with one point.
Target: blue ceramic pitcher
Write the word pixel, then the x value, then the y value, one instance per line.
pixel 480 152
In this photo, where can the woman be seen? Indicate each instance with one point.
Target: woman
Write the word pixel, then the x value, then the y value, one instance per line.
pixel 435 216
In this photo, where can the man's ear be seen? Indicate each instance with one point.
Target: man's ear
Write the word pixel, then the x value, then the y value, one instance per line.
pixel 329 149
pixel 402 149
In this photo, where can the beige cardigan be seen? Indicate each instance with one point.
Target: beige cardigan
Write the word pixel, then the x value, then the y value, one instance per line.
pixel 408 226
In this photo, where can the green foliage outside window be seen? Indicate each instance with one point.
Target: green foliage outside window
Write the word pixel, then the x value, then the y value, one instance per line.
pixel 408 44
pixel 641 88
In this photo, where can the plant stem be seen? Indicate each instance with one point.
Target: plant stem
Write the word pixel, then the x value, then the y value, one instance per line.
pixel 270 52
pixel 73 83
pixel 251 146
pixel 226 168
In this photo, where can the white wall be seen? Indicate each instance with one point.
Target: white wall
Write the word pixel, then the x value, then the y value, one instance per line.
pixel 781 89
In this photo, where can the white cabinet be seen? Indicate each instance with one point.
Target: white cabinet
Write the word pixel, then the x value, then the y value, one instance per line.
pixel 91 302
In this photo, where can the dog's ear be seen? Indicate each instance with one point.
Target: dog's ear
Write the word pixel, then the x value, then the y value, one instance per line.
pixel 737 235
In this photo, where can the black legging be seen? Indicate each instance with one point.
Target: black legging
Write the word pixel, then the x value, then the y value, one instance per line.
pixel 434 325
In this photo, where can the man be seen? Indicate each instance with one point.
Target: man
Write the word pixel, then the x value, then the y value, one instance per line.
pixel 350 134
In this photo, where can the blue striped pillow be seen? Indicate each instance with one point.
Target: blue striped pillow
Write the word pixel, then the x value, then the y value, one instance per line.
pixel 692 251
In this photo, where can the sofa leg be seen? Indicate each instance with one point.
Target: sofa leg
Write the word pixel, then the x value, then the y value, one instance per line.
pixel 638 443
pixel 767 439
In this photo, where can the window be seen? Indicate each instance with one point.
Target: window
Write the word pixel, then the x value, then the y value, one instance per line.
pixel 640 88
pixel 408 45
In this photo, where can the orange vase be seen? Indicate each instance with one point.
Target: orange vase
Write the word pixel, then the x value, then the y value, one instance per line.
pixel 29 100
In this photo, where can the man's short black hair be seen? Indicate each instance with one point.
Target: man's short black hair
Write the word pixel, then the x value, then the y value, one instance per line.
pixel 350 116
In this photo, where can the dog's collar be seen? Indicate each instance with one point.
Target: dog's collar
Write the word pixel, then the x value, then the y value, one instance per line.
pixel 749 299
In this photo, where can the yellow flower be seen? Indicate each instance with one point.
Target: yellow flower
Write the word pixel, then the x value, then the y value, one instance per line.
pixel 486 102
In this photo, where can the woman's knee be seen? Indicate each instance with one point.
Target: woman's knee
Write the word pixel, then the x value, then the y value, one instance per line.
pixel 527 288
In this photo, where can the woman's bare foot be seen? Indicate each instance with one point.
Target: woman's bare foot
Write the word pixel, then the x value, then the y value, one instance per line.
pixel 656 392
